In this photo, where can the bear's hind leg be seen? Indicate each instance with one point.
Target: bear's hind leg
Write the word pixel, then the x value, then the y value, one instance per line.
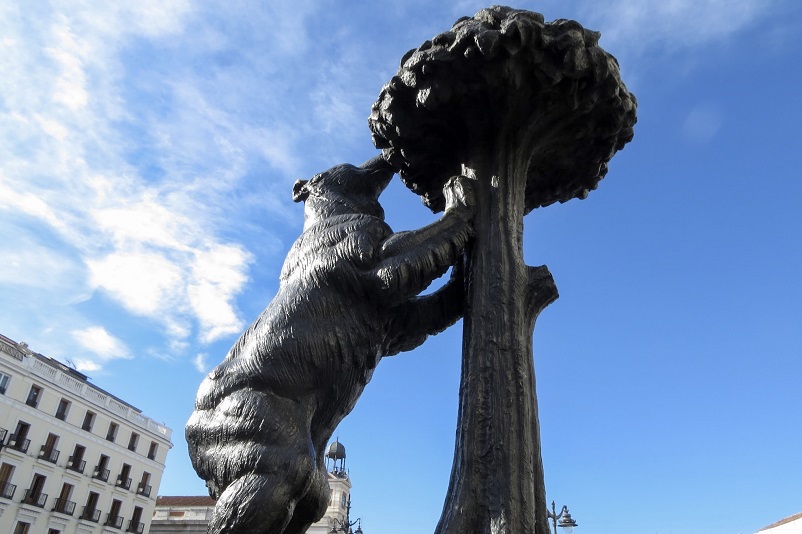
pixel 264 503
pixel 312 506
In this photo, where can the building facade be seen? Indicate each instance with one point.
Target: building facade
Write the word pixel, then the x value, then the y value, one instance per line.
pixel 190 515
pixel 74 459
pixel 789 525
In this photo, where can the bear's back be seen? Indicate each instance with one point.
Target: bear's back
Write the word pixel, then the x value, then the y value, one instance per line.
pixel 333 247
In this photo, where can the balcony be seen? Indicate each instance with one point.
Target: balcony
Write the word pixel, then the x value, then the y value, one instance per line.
pixel 114 521
pixel 143 489
pixel 37 499
pixel 135 526
pixel 101 474
pixel 90 514
pixel 61 414
pixel 122 482
pixel 32 401
pixel 7 490
pixel 18 443
pixel 48 454
pixel 76 464
pixel 63 506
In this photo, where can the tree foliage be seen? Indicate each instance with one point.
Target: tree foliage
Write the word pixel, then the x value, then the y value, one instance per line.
pixel 505 77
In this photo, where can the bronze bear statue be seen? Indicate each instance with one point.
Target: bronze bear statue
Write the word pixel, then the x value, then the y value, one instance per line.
pixel 348 295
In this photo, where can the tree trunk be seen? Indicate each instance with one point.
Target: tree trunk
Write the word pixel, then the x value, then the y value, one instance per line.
pixel 497 484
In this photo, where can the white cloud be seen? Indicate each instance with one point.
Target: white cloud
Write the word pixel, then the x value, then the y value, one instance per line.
pixel 637 26
pixel 86 366
pixel 217 276
pixel 145 233
pixel 144 282
pixel 101 343
pixel 200 363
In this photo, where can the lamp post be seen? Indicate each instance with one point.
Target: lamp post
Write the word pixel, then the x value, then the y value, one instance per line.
pixel 564 517
pixel 344 526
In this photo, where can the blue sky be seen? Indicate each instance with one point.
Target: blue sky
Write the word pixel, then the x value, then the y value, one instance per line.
pixel 147 154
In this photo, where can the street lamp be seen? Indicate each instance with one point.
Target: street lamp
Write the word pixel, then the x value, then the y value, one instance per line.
pixel 345 525
pixel 565 520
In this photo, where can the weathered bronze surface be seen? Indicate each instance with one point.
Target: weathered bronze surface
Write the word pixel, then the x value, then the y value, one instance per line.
pixel 500 115
pixel 532 112
pixel 347 297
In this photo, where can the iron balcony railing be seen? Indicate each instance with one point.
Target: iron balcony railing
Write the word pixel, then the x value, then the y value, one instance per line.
pixel 48 455
pixel 3 434
pixel 18 443
pixel 76 464
pixel 124 483
pixel 91 514
pixel 34 499
pixel 63 506
pixel 101 474
pixel 61 414
pixel 7 490
pixel 143 489
pixel 114 521
pixel 135 526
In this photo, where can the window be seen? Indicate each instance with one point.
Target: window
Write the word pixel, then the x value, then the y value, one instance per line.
pixel 48 452
pixel 89 420
pixel 102 471
pixel 124 478
pixel 63 409
pixel 53 531
pixel 144 485
pixel 91 512
pixel 6 487
pixel 114 518
pixel 135 524
pixel 63 504
pixel 133 441
pixel 34 495
pixel 76 462
pixel 111 435
pixel 19 439
pixel 154 448
pixel 4 380
pixel 22 528
pixel 34 395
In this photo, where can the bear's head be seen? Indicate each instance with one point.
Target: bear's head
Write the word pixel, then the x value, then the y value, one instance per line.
pixel 344 189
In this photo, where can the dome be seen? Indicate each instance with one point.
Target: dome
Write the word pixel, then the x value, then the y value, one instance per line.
pixel 336 451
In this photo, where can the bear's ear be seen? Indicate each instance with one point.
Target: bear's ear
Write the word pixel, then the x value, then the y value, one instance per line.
pixel 299 191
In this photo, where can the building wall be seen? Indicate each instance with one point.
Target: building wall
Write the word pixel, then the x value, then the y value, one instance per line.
pixel 340 486
pixel 63 501
pixel 789 525
pixel 190 515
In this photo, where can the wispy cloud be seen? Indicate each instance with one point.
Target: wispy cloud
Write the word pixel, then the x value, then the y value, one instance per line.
pixel 146 230
pixel 101 344
pixel 200 363
pixel 641 27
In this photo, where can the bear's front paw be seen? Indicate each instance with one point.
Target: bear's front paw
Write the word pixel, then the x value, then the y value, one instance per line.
pixel 459 194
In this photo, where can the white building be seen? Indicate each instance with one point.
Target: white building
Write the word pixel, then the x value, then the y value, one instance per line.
pixel 190 515
pixel 789 525
pixel 73 458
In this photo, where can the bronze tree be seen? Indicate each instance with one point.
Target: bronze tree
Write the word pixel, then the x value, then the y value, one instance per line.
pixel 533 112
